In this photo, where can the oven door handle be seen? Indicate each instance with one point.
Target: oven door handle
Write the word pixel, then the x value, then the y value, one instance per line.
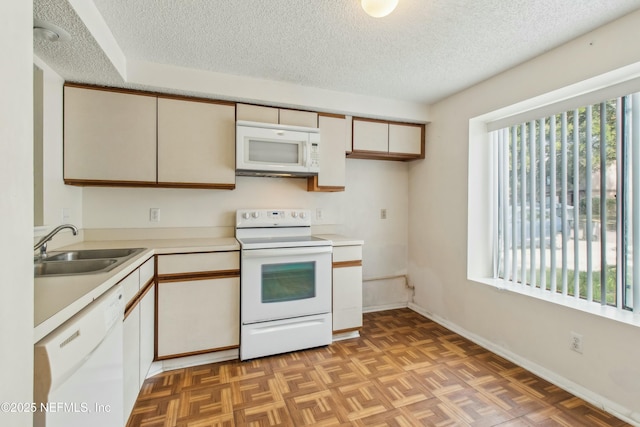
pixel 280 252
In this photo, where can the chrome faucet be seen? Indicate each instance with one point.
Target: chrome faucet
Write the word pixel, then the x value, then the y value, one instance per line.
pixel 42 244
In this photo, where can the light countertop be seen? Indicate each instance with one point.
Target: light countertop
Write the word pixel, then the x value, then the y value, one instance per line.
pixel 57 299
pixel 340 240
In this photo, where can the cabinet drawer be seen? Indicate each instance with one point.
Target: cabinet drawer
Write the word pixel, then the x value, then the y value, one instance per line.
pixel 147 271
pixel 198 262
pixel 130 286
pixel 347 253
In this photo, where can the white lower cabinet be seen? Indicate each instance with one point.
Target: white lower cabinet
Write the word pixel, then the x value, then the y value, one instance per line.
pixel 131 349
pixel 147 332
pixel 198 303
pixel 138 329
pixel 347 288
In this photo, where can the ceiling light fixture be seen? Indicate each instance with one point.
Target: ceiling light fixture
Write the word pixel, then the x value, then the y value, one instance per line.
pixel 378 8
pixel 49 32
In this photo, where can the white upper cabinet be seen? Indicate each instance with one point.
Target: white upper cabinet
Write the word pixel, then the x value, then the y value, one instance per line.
pixel 370 136
pixel 376 139
pixel 257 113
pixel 282 116
pixel 333 133
pixel 298 118
pixel 113 138
pixel 196 143
pixel 109 136
pixel 405 139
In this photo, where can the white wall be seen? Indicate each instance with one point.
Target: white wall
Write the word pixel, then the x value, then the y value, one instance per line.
pixel 57 196
pixel 16 209
pixel 533 332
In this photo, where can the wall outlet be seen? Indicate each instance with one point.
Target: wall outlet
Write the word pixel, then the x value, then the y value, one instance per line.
pixel 318 213
pixel 154 214
pixel 383 214
pixel 576 342
pixel 66 215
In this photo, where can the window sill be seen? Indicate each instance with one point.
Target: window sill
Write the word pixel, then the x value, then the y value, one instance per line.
pixel 607 312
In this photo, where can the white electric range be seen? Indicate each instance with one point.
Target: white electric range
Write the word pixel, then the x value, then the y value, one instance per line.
pixel 285 283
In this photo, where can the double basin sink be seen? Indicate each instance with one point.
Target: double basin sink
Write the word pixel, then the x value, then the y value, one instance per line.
pixel 88 261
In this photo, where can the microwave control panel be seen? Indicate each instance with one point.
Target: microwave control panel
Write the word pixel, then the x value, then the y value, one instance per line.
pixel 315 155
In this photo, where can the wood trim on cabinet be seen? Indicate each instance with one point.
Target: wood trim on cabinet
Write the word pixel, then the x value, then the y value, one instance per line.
pixel 423 144
pixel 196 185
pixel 155 309
pixel 382 155
pixel 101 183
pixel 312 185
pixel 367 119
pixel 195 353
pixel 344 264
pixel 138 297
pixel 336 116
pixel 150 93
pixel 199 275
pixel 278 108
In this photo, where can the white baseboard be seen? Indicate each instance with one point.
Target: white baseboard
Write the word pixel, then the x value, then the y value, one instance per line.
pixel 191 361
pixel 595 399
pixel 346 336
pixel 384 307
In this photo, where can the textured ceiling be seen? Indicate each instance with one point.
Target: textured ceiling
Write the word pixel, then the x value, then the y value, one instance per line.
pixel 424 51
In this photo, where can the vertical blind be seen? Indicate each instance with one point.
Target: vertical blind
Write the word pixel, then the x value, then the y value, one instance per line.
pixel 568 208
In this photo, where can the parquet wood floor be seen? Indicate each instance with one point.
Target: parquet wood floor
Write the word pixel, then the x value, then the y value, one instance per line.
pixel 404 370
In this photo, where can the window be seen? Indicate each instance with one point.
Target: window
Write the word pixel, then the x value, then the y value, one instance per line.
pixel 568 205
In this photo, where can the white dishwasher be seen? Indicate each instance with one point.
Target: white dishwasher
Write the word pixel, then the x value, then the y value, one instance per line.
pixel 78 368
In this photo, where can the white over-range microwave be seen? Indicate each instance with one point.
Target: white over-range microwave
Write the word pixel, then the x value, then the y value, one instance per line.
pixel 276 150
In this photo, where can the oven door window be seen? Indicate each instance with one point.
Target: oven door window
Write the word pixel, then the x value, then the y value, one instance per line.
pixel 288 281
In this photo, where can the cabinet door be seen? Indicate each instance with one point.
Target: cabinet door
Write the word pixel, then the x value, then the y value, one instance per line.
pixel 196 143
pixel 333 132
pixel 131 356
pixel 257 113
pixel 147 331
pixel 198 316
pixel 405 139
pixel 347 287
pixel 298 118
pixel 347 298
pixel 109 136
pixel 370 136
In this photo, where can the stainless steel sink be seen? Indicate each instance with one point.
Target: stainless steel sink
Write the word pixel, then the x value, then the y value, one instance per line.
pixel 72 267
pixel 91 254
pixel 89 261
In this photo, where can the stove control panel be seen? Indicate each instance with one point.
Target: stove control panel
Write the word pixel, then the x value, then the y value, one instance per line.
pixel 253 218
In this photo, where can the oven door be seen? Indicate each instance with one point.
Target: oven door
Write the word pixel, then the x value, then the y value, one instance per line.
pixel 282 283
